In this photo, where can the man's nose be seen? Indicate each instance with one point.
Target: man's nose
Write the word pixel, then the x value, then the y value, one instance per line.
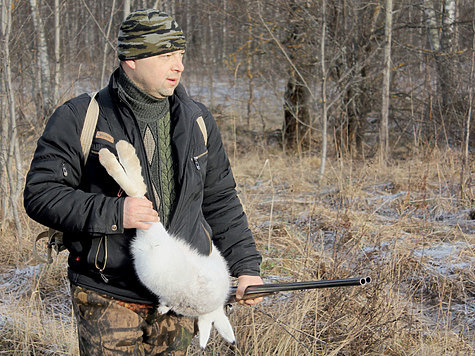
pixel 178 64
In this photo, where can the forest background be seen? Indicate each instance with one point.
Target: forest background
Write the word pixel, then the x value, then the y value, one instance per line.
pixel 348 125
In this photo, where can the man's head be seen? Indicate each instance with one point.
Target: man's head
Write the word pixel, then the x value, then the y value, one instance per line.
pixel 150 46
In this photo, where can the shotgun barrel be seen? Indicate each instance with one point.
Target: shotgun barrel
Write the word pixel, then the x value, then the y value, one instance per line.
pixel 263 290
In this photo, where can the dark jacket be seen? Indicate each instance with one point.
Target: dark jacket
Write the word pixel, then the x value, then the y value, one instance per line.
pixel 86 204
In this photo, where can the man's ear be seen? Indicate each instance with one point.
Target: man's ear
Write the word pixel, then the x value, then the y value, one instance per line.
pixel 128 63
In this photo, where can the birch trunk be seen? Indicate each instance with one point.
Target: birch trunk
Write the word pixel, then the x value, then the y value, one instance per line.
pixel 57 52
pixel 384 131
pixel 5 8
pixel 442 47
pixel 431 23
pixel 12 159
pixel 224 30
pixel 210 59
pixel 126 8
pixel 43 59
pixel 465 154
pixel 470 95
pixel 448 25
pixel 106 47
pixel 444 60
pixel 324 92
pixel 249 65
pixel 187 7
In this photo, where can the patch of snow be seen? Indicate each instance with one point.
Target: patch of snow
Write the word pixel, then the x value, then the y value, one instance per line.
pixel 445 258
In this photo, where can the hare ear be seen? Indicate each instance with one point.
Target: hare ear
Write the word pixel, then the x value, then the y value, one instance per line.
pixel 129 160
pixel 116 171
pixel 112 166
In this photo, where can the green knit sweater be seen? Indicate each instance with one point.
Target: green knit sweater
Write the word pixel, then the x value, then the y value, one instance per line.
pixel 153 118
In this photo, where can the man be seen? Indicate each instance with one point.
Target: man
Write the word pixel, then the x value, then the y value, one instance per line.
pixel 190 188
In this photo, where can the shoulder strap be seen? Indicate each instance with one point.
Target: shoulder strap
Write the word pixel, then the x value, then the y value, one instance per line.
pixel 89 127
pixel 201 124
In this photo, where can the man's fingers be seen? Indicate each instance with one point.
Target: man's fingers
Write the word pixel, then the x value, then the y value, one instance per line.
pixel 243 282
pixel 138 213
pixel 251 301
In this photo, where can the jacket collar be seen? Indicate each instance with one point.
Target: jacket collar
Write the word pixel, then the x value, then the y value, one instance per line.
pixel 179 97
pixel 183 112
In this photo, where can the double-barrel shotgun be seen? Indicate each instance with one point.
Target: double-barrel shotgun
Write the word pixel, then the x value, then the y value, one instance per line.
pixel 263 290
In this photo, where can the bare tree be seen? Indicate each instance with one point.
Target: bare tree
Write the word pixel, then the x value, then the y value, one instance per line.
pixel 44 75
pixel 470 96
pixel 57 49
pixel 465 151
pixel 106 46
pixel 11 156
pixel 5 32
pixel 353 32
pixel 441 36
pixel 249 69
pixel 126 8
pixel 444 62
pixel 324 91
pixel 384 127
pixel 297 120
pixel 432 27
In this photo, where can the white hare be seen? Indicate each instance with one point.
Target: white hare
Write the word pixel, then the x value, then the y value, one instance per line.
pixel 185 281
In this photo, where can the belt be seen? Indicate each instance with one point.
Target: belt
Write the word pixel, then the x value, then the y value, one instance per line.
pixel 135 307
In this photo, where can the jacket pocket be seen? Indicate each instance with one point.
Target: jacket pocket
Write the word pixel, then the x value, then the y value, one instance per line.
pixel 54 170
pixel 109 256
pixel 98 255
pixel 200 162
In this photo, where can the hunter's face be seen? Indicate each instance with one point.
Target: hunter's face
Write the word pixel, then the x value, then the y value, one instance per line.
pixel 157 75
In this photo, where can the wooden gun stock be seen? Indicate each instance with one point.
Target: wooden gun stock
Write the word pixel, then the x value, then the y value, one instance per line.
pixel 263 290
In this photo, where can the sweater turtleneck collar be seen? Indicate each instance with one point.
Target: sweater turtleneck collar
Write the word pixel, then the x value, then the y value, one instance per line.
pixel 144 106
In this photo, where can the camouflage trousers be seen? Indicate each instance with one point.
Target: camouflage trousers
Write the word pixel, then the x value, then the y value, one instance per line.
pixel 107 326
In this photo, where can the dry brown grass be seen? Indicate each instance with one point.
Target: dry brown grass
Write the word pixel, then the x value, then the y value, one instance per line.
pixel 406 225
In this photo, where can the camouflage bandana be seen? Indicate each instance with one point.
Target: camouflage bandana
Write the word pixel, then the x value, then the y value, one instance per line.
pixel 147 33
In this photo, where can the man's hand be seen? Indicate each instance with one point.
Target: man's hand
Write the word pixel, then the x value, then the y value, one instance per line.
pixel 243 282
pixel 139 213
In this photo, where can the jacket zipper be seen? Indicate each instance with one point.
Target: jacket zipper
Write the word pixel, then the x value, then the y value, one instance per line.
pixel 196 158
pixel 64 169
pixel 209 239
pixel 96 263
